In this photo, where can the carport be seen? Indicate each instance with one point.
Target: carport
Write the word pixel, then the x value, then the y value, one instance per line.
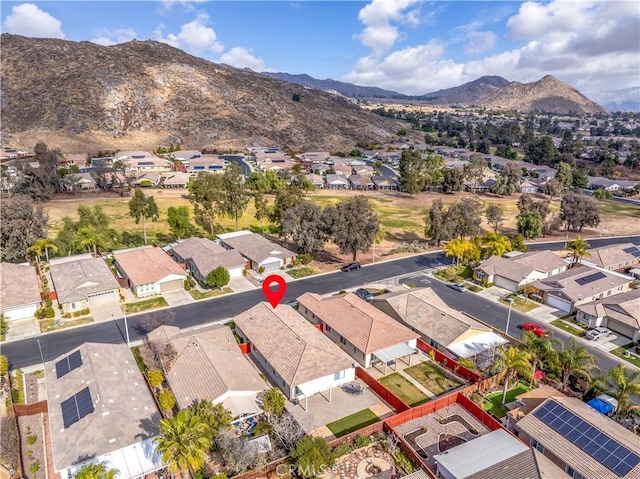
pixel 388 356
pixel 470 347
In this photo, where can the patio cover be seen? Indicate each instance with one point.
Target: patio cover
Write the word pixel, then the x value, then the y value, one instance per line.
pixel 600 406
pixel 132 461
pixel 394 352
pixel 469 347
pixel 241 405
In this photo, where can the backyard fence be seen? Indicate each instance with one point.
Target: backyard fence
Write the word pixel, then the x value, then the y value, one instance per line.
pixel 30 409
pixel 449 363
pixel 364 432
pixel 262 471
pixel 394 401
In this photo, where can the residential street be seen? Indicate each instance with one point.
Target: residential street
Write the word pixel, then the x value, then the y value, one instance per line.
pixel 26 352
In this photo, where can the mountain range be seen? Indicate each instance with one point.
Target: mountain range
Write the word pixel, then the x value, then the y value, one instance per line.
pixel 627 99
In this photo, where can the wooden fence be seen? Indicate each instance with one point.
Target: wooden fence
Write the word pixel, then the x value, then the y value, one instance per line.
pixel 364 432
pixel 30 409
pixel 394 401
pixel 449 363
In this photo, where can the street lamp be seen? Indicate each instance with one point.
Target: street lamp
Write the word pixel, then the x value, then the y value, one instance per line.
pixel 506 330
pixel 126 327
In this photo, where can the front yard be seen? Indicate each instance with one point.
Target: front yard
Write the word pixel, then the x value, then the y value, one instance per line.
pixel 146 304
pixel 454 274
pixel 432 377
pixel 521 304
pixel 633 358
pixel 402 387
pixel 356 421
pixel 197 294
pixel 301 272
pixel 47 325
pixel 575 330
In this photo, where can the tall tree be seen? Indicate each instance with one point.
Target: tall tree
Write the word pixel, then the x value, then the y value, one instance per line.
pixel 453 180
pixel 143 208
pixel 564 175
pixel 578 249
pixel 578 211
pixel 273 402
pixel 354 225
pixel 43 245
pixel 215 416
pixel 511 362
pixel 96 471
pixel 474 170
pixel 204 194
pixel 622 384
pixel 179 223
pixel 466 216
pixel 89 238
pixel 541 151
pixel 530 224
pixel 303 225
pixel 312 457
pixel 495 215
pixel 235 199
pixel 22 223
pixel 438 227
pixel 183 442
pixel 433 170
pixel 285 199
pixel 577 361
pixel 541 351
pixel 42 181
pixel 412 171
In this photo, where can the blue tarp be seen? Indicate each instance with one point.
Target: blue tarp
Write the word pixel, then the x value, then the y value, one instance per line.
pixel 600 406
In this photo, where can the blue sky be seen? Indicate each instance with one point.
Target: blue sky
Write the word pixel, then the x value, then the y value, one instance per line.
pixel 409 46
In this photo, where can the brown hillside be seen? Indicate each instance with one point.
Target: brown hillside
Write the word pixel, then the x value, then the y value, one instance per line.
pixel 141 94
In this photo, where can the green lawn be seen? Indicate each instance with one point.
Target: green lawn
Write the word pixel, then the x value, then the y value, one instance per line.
pixel 144 305
pixel 197 294
pixel 432 377
pixel 454 274
pixel 403 388
pixel 47 325
pixel 522 304
pixel 635 357
pixel 352 423
pixel 301 272
pixel 492 401
pixel 575 330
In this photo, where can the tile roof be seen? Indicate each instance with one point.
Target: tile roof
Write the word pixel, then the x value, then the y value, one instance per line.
pixel 532 399
pixel 177 178
pixel 333 178
pixel 18 285
pixel 571 454
pixel 124 410
pixel 256 247
pixel 292 345
pixel 566 283
pixel 360 323
pixel 75 280
pixel 423 310
pixel 147 265
pixel 544 261
pixel 612 255
pixel 519 267
pixel 227 259
pixel 208 365
pixel 191 247
pixel 623 307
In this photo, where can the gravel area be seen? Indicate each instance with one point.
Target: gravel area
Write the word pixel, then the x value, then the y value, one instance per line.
pixel 32 454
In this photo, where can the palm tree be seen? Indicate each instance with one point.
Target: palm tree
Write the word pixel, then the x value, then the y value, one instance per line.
pixel 96 471
pixel 540 350
pixel 511 362
pixel 88 238
pixel 183 442
pixel 43 245
pixel 578 248
pixel 576 360
pixel 621 383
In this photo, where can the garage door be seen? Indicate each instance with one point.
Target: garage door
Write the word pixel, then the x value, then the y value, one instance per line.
pixel 505 283
pixel 621 328
pixel 270 267
pixel 172 285
pixel 235 272
pixel 561 304
pixel 100 298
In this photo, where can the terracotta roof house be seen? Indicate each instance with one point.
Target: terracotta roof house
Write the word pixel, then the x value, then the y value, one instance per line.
pixel 364 332
pixel 297 357
pixel 440 326
pixel 337 182
pixel 619 313
pixel 581 285
pixel 209 365
pixel 201 256
pixel 149 270
pixel 527 402
pixel 178 179
pixel 514 272
pixel 258 251
pixel 83 282
pixel 19 291
pixel 580 440
pixel 509 459
pixel 342 169
pixel 614 257
pixel 101 411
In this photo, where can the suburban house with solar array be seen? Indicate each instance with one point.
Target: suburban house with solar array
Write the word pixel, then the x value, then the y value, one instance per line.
pixel 614 257
pixel 101 411
pixel 579 285
pixel 208 364
pixel 19 299
pixel 293 353
pixel 364 332
pixel 580 440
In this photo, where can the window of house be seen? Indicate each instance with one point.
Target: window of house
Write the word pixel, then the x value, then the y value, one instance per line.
pixel 573 473
pixel 343 341
pixel 536 445
pixel 338 375
pixel 327 327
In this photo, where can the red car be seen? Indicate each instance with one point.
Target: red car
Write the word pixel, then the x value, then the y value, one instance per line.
pixel 536 329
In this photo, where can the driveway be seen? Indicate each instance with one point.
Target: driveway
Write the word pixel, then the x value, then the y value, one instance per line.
pixel 177 297
pixel 105 311
pixel 238 285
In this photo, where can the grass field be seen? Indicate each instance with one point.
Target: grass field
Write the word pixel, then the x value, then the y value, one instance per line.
pixel 492 401
pixel 47 325
pixel 403 388
pixel 634 357
pixel 146 304
pixel 301 272
pixel 432 377
pixel 356 421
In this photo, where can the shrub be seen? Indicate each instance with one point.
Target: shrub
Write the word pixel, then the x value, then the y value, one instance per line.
pixel 31 440
pixel 155 377
pixel 489 285
pixel 187 286
pixel 296 97
pixel 82 312
pixel 261 269
pixel 262 428
pixel 4 364
pixel 166 400
pixel 403 461
pixel 305 258
pixel 341 450
pixel 34 467
pixel 47 302
pixel 361 441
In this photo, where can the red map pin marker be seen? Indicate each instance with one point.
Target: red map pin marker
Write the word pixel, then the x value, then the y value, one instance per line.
pixel 274 297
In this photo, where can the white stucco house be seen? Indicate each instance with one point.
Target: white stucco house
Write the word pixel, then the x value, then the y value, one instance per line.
pixel 19 291
pixel 149 271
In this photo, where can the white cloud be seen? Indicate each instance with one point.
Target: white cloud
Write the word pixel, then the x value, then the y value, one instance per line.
pixel 194 37
pixel 591 45
pixel 29 20
pixel 240 57
pixel 377 17
pixel 112 37
pixel 478 42
pixel 167 5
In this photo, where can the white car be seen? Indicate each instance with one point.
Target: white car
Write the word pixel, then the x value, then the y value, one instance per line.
pixel 597 333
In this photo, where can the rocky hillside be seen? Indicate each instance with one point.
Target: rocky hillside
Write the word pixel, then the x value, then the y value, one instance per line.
pixel 548 95
pixel 470 93
pixel 83 96
pixel 343 88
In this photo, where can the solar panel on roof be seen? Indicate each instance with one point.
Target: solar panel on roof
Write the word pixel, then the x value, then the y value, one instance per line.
pixel 68 364
pixel 591 278
pixel 606 450
pixel 631 249
pixel 145 163
pixel 76 407
pixel 84 402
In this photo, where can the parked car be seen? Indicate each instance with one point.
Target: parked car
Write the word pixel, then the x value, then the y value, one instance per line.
pixel 457 286
pixel 364 294
pixel 536 329
pixel 351 267
pixel 597 333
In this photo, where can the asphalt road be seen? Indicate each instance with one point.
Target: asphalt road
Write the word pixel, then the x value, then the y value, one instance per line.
pixel 27 352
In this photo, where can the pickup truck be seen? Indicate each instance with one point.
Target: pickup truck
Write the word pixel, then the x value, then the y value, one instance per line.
pixel 597 333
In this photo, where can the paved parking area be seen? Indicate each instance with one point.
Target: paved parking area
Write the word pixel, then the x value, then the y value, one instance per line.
pixel 105 311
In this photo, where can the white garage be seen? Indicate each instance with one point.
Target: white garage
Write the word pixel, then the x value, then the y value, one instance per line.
pixel 19 291
pixel 559 303
pixel 104 297
pixel 502 282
